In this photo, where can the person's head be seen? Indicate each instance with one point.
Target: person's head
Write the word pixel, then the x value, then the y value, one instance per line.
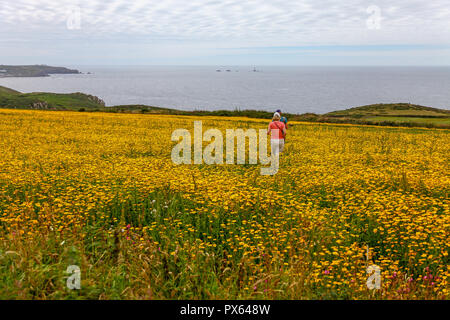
pixel 276 116
pixel 278 111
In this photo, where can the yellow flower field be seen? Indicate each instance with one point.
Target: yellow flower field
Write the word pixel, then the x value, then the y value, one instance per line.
pixel 99 190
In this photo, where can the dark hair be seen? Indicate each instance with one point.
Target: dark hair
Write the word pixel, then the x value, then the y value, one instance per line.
pixel 279 111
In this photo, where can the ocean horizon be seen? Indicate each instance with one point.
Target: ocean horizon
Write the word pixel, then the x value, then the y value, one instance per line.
pixel 294 89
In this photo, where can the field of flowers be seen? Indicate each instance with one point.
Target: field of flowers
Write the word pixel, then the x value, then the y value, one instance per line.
pixel 100 191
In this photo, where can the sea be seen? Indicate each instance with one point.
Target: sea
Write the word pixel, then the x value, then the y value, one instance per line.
pixel 292 89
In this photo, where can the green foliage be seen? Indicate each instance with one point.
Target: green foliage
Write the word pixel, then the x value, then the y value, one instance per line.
pixel 54 101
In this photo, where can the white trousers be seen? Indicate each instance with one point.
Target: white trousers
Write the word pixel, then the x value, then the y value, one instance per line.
pixel 277 146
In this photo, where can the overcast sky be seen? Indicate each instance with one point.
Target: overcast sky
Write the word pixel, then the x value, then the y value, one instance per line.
pixel 225 32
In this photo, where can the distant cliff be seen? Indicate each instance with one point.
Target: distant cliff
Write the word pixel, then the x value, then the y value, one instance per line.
pixel 33 71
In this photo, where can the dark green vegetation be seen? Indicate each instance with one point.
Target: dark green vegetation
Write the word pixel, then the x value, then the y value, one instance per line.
pixel 33 71
pixel 396 114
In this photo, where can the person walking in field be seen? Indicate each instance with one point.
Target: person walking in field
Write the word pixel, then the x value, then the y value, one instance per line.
pixel 277 130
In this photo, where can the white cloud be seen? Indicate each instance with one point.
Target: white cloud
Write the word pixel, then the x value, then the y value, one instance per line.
pixel 254 20
pixel 227 23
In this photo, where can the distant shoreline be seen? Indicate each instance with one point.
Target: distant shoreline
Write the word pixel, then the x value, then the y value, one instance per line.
pixel 20 71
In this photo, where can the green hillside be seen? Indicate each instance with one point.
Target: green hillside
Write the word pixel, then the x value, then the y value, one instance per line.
pixel 43 100
pixel 392 109
pixel 392 114
pixel 5 90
